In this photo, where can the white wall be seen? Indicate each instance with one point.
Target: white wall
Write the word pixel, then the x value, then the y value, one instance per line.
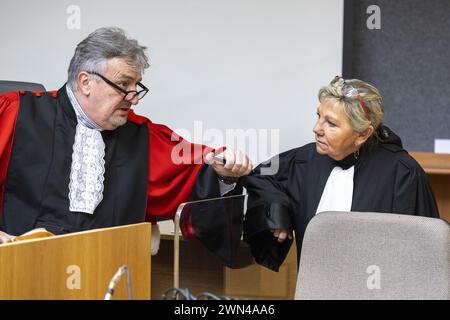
pixel 247 64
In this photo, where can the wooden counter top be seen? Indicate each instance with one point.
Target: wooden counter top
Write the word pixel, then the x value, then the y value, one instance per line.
pixel 433 163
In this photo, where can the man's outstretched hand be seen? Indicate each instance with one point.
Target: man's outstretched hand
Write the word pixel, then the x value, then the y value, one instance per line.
pixel 230 163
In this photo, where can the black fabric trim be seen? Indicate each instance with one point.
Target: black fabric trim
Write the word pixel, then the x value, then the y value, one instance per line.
pixel 265 248
pixel 267 251
pixel 266 216
pixel 218 225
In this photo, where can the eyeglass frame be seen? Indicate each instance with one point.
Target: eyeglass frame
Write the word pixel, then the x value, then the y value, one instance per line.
pixel 115 86
pixel 350 94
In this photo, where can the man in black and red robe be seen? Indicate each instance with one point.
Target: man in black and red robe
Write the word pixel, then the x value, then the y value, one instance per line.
pixel 79 158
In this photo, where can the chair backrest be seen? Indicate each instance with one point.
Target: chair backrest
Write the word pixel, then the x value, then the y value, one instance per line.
pixel 359 255
pixel 6 86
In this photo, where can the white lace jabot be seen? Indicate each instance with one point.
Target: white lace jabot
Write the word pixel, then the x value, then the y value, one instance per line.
pixel 88 163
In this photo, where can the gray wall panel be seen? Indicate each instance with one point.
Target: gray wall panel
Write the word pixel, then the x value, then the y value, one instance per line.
pixel 408 59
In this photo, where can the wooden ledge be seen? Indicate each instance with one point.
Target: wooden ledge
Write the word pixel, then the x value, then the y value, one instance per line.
pixel 433 163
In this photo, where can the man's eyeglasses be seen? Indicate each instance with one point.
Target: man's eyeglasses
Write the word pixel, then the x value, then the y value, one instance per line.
pixel 128 95
pixel 351 92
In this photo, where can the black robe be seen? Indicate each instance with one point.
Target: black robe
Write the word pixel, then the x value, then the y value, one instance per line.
pixel 217 224
pixel 386 179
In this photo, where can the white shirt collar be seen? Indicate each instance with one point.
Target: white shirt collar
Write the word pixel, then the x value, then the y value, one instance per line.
pixel 81 115
pixel 338 192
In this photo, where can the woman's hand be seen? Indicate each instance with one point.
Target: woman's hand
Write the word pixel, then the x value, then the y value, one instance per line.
pixel 281 234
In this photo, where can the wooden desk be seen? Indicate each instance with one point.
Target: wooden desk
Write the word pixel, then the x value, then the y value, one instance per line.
pixel 77 265
pixel 437 167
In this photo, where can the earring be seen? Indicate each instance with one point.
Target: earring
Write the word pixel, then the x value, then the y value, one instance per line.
pixel 356 154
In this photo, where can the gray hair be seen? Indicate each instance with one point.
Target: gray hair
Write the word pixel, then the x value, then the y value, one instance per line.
pixel 92 53
pixel 352 107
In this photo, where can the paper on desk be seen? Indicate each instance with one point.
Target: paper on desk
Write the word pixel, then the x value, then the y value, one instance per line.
pixel 442 145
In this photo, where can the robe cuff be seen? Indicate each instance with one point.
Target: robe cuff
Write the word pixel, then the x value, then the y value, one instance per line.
pixel 266 250
pixel 266 217
pixel 226 188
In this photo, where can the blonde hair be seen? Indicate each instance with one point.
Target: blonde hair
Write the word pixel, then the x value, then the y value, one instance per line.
pixel 353 108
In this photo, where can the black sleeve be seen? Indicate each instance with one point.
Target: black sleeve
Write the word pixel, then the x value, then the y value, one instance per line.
pixel 413 193
pixel 217 224
pixel 207 185
pixel 268 208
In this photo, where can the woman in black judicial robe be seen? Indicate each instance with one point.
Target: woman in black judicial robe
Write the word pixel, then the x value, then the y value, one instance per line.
pixel 351 143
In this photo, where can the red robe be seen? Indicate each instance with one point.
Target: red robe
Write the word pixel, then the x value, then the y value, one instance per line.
pixel 169 184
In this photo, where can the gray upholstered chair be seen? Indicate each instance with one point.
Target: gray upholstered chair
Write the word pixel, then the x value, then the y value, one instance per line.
pixel 351 255
pixel 6 86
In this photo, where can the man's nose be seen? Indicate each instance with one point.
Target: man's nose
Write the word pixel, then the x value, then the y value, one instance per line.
pixel 134 101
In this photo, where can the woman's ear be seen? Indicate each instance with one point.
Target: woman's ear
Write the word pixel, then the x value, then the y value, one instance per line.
pixel 363 136
pixel 84 82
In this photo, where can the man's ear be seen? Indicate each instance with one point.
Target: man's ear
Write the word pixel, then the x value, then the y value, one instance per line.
pixel 363 136
pixel 84 82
